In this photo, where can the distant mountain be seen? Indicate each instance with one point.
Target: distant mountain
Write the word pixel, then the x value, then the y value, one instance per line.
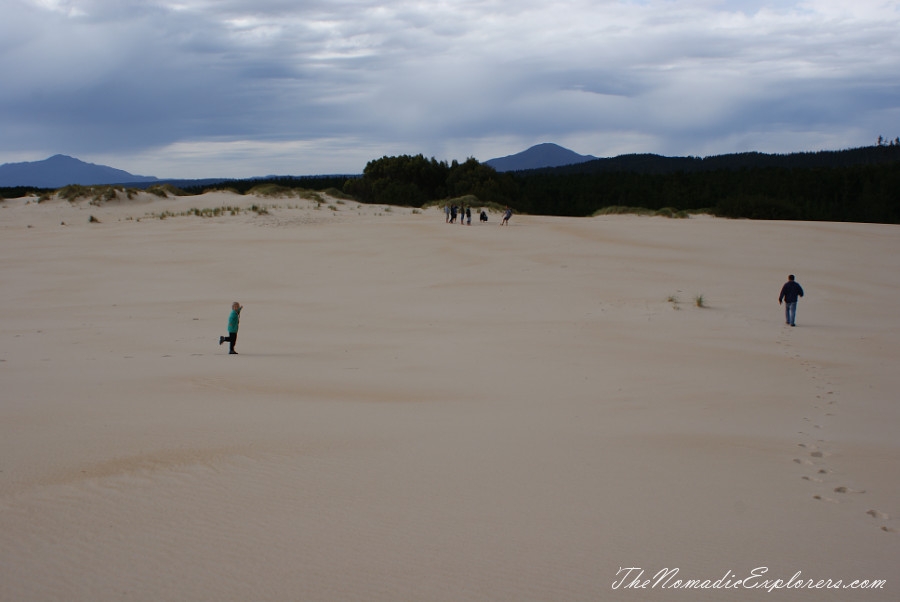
pixel 62 170
pixel 536 157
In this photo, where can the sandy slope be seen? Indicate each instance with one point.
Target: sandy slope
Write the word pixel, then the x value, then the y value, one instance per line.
pixel 422 411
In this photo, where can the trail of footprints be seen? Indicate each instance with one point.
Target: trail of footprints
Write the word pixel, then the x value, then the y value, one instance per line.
pixel 814 451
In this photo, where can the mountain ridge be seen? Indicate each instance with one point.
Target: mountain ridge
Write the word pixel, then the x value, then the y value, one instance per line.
pixel 62 170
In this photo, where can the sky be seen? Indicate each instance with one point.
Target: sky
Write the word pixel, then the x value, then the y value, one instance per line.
pixel 243 88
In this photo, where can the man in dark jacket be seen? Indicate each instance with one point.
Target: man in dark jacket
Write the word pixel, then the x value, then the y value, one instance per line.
pixel 789 294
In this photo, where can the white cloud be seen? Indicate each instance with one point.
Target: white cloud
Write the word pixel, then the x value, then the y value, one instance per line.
pixel 250 158
pixel 68 8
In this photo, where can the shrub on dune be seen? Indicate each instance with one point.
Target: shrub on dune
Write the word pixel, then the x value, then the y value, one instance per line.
pixel 164 190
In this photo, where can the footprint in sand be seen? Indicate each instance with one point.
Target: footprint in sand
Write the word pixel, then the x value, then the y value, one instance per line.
pixel 881 516
pixel 824 499
pixel 843 489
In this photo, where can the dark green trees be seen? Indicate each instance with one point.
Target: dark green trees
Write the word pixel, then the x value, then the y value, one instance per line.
pixel 415 180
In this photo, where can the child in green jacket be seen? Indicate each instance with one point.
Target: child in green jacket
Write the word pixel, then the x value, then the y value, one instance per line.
pixel 234 320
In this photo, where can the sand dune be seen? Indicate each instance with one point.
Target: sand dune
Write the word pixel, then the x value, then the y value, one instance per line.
pixel 423 411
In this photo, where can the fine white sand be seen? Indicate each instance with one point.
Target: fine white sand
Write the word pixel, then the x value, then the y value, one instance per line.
pixel 423 411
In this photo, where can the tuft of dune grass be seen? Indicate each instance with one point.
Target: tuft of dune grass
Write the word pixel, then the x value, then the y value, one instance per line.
pixel 273 190
pixel 164 190
pixel 669 212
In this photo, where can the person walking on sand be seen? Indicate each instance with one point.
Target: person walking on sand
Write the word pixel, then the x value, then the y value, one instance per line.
pixel 506 215
pixel 447 213
pixel 789 294
pixel 234 320
pixel 468 216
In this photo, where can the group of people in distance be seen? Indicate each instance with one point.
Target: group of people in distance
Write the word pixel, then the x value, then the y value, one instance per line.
pixel 465 215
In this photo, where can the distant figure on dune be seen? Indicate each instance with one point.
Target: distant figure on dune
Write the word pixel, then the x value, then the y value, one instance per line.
pixel 234 320
pixel 506 215
pixel 447 213
pixel 468 216
pixel 789 294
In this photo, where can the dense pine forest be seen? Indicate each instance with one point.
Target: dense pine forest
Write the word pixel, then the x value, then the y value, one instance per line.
pixel 859 193
pixel 860 185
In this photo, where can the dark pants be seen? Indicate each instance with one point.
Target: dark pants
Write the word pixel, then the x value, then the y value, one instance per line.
pixel 232 340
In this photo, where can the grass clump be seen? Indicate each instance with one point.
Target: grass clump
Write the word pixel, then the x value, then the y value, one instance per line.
pixel 97 194
pixel 623 210
pixel 673 299
pixel 164 190
pixel 213 211
pixel 699 301
pixel 207 212
pixel 468 200
pixel 339 194
pixel 271 190
pixel 107 193
pixel 669 212
pixel 73 192
pixel 490 206
pixel 309 195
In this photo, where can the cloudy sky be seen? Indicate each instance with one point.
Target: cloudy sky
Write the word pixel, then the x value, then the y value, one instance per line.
pixel 239 88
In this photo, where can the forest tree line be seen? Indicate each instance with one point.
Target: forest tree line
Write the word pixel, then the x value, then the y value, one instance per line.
pixel 859 185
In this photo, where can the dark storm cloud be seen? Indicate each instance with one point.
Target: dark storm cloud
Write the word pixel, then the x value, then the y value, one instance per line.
pixel 200 87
